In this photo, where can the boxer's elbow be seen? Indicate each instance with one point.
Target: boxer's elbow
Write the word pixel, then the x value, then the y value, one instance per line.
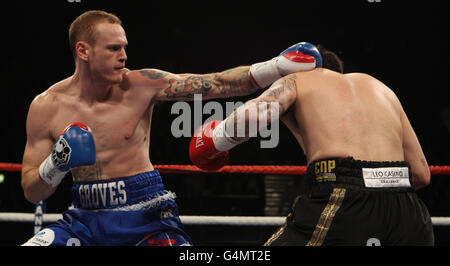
pixel 418 184
pixel 29 193
pixel 421 178
pixel 30 197
pixel 32 190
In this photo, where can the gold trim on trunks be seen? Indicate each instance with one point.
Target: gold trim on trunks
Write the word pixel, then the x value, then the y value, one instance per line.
pixel 325 219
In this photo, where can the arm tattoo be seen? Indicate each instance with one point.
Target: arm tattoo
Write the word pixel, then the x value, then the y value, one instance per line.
pixel 424 162
pixel 226 71
pixel 272 104
pixel 153 74
pixel 232 82
pixel 280 92
pixel 187 87
pixel 240 84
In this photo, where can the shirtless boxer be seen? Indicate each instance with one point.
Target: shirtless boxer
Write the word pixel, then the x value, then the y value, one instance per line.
pixel 364 159
pixel 96 124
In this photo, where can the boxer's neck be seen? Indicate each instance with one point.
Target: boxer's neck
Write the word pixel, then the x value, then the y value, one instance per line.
pixel 91 89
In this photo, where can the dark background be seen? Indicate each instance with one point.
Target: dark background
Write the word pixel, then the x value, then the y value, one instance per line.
pixel 403 44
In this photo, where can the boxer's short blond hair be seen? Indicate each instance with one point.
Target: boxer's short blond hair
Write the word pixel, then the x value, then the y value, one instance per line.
pixel 82 28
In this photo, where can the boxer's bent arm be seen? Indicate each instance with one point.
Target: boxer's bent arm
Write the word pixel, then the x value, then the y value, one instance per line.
pixel 38 147
pixel 34 188
pixel 173 87
pixel 270 105
pixel 414 155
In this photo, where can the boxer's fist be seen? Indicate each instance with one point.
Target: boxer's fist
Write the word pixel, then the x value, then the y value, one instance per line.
pixel 73 148
pixel 302 56
pixel 202 150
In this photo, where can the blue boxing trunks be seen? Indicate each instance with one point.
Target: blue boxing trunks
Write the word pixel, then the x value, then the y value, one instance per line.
pixel 134 210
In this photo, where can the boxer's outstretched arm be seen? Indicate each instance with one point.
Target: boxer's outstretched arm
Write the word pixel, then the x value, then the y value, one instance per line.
pixel 174 87
pixel 239 81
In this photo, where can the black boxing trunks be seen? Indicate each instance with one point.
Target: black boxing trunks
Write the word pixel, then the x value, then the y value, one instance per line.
pixel 356 203
pixel 134 210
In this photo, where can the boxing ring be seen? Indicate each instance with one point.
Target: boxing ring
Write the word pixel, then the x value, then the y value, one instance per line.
pixel 40 217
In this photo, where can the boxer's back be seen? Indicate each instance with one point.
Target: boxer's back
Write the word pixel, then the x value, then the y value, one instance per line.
pixel 346 115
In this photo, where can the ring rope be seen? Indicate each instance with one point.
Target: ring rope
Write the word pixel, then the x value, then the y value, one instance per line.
pixel 193 219
pixel 242 169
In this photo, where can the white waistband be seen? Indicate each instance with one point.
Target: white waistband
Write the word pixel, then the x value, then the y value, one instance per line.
pixel 386 177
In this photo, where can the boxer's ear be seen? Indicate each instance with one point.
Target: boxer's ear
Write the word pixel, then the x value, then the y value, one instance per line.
pixel 82 50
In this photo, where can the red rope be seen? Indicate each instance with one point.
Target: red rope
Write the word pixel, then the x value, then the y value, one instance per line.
pixel 440 169
pixel 10 167
pixel 243 169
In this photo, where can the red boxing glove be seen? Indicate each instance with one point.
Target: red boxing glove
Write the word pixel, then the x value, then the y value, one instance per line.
pixel 202 150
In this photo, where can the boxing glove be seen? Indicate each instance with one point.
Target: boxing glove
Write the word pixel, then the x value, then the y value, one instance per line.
pixel 302 56
pixel 74 147
pixel 204 152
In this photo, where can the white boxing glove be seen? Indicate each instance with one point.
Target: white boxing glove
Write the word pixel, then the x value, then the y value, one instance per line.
pixel 302 56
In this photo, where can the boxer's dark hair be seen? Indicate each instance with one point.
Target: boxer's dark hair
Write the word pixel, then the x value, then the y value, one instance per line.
pixel 330 60
pixel 82 28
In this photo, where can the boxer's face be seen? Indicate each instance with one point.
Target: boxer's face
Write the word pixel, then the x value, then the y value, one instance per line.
pixel 107 56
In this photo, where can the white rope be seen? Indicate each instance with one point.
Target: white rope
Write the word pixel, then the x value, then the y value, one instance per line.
pixel 193 219
pixel 27 217
pixel 440 221
pixel 233 220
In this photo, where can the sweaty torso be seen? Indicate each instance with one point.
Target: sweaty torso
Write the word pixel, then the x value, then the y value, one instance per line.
pixel 345 115
pixel 120 125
